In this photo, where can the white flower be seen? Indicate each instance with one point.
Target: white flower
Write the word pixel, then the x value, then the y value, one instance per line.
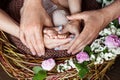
pixel 71 63
pixel 118 32
pixel 118 51
pixel 108 31
pixel 98 45
pixel 115 50
pixel 109 56
pixel 102 55
pixel 106 2
pixel 100 49
pixel 105 32
pixel 113 29
pixel 60 68
pixel 67 65
pixel 99 60
pixel 92 57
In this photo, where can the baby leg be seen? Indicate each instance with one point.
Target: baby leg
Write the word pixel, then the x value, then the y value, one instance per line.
pixel 63 3
pixel 59 19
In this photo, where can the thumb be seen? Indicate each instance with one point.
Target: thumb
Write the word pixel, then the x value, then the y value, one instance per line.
pixel 75 17
pixel 64 30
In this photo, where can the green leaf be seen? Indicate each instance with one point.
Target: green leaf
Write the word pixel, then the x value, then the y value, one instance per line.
pixel 91 53
pixel 87 49
pixel 41 75
pixel 82 72
pixel 105 50
pixel 36 69
pixel 82 69
pixel 116 22
pixel 85 63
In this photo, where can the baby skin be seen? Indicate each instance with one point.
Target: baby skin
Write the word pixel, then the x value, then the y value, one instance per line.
pixel 62 24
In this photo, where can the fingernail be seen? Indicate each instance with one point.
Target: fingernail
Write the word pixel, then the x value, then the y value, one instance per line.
pixel 73 52
pixel 68 52
pixel 42 53
pixel 60 28
pixel 72 36
pixel 34 53
pixel 57 48
pixel 39 54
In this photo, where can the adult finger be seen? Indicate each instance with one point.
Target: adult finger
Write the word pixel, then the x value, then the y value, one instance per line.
pixel 52 43
pixel 35 45
pixel 79 39
pixel 67 45
pixel 78 16
pixel 48 22
pixel 40 42
pixel 62 41
pixel 22 38
pixel 86 40
pixel 81 45
pixel 31 46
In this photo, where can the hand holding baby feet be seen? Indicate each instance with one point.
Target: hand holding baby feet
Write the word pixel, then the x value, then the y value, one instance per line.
pixel 72 27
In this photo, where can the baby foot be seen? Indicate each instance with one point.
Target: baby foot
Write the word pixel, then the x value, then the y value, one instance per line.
pixel 54 33
pixel 63 36
pixel 51 33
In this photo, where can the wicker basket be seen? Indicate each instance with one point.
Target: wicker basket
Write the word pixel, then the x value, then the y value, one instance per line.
pixel 19 65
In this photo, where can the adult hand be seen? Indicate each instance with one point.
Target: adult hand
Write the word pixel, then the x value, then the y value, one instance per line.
pixel 94 22
pixel 74 28
pixel 53 43
pixel 33 18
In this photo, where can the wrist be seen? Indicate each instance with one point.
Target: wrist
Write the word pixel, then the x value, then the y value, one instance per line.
pixel 32 4
pixel 106 15
pixel 112 11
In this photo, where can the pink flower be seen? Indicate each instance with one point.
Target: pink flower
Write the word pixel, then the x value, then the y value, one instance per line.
pixel 48 64
pixel 82 56
pixel 112 41
pixel 119 20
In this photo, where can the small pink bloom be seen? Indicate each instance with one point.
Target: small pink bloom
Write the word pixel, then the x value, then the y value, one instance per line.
pixel 112 41
pixel 82 56
pixel 48 64
pixel 119 20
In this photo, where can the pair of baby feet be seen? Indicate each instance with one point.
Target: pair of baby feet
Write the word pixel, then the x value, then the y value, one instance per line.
pixel 55 33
